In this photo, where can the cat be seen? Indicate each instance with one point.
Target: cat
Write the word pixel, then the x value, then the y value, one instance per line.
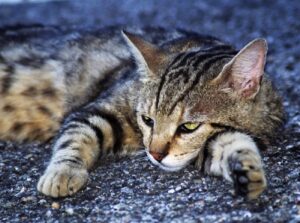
pixel 184 97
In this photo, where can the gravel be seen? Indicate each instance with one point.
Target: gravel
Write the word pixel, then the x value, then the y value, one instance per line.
pixel 130 189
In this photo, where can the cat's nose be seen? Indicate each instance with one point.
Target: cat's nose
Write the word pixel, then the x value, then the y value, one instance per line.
pixel 158 156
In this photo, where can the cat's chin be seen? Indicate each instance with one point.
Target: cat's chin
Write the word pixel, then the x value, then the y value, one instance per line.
pixel 163 166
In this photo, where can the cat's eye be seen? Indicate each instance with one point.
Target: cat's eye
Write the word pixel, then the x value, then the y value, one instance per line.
pixel 188 127
pixel 148 121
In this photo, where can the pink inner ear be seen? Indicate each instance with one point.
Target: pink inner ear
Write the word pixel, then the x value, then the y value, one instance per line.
pixel 247 70
pixel 249 88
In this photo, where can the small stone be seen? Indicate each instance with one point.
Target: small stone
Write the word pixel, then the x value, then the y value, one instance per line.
pixel 29 198
pixel 209 198
pixel 277 201
pixel 198 181
pixel 247 214
pixel 171 191
pixel 28 156
pixel 295 174
pixel 290 146
pixel 23 189
pixel 55 205
pixel 8 205
pixel 297 200
pixel 200 203
pixel 178 188
pixel 48 214
pixel 42 201
pixel 127 190
pixel 70 211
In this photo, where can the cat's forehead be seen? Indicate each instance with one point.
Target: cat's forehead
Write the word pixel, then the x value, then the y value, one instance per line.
pixel 187 76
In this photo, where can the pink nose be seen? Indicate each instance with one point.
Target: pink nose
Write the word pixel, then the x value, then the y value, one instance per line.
pixel 158 156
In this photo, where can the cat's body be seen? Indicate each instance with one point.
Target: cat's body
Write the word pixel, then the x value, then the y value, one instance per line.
pixel 179 100
pixel 47 72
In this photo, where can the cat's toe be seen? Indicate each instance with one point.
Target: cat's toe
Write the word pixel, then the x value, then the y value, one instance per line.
pixel 248 176
pixel 76 181
pixel 257 183
pixel 61 182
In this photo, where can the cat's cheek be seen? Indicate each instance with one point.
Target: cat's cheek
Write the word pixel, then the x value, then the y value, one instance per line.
pixel 176 162
pixel 146 132
pixel 146 137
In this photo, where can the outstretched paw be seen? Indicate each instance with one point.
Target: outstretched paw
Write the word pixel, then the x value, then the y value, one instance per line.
pixel 62 180
pixel 247 173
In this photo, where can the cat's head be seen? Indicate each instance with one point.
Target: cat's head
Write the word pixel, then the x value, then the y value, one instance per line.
pixel 191 93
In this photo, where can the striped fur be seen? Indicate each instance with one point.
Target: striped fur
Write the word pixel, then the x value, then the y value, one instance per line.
pixel 115 93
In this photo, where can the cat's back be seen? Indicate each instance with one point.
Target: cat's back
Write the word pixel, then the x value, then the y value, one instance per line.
pixel 47 71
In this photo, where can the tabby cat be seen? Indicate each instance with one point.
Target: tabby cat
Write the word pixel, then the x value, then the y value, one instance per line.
pixel 185 97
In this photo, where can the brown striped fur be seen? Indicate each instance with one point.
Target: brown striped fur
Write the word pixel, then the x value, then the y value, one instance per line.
pixel 102 92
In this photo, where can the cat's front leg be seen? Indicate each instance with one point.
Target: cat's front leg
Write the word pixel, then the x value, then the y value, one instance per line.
pixel 76 149
pixel 235 156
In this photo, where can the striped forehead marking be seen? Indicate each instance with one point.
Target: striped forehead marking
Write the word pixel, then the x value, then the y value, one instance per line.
pixel 189 68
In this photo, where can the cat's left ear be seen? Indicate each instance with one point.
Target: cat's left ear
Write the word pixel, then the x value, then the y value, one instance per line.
pixel 147 56
pixel 243 74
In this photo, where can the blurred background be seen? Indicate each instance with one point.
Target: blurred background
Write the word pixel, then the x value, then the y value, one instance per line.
pixel 232 19
pixel 235 21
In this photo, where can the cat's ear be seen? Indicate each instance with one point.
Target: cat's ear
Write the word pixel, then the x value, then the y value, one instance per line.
pixel 243 74
pixel 147 56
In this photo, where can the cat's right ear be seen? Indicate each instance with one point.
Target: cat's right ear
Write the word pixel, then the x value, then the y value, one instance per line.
pixel 243 74
pixel 148 57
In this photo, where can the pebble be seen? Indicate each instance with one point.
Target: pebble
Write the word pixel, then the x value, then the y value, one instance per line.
pixel 48 213
pixel 198 181
pixel 70 211
pixel 290 146
pixel 23 189
pixel 295 174
pixel 126 190
pixel 55 205
pixel 297 201
pixel 29 198
pixel 42 201
pixel 178 188
pixel 28 156
pixel 209 198
pixel 171 191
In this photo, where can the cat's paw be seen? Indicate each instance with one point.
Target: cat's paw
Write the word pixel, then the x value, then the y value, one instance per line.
pixel 62 180
pixel 247 173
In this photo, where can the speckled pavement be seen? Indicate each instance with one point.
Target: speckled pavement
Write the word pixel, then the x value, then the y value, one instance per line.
pixel 130 189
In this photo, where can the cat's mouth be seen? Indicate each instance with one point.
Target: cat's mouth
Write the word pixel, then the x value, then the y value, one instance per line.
pixel 166 164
